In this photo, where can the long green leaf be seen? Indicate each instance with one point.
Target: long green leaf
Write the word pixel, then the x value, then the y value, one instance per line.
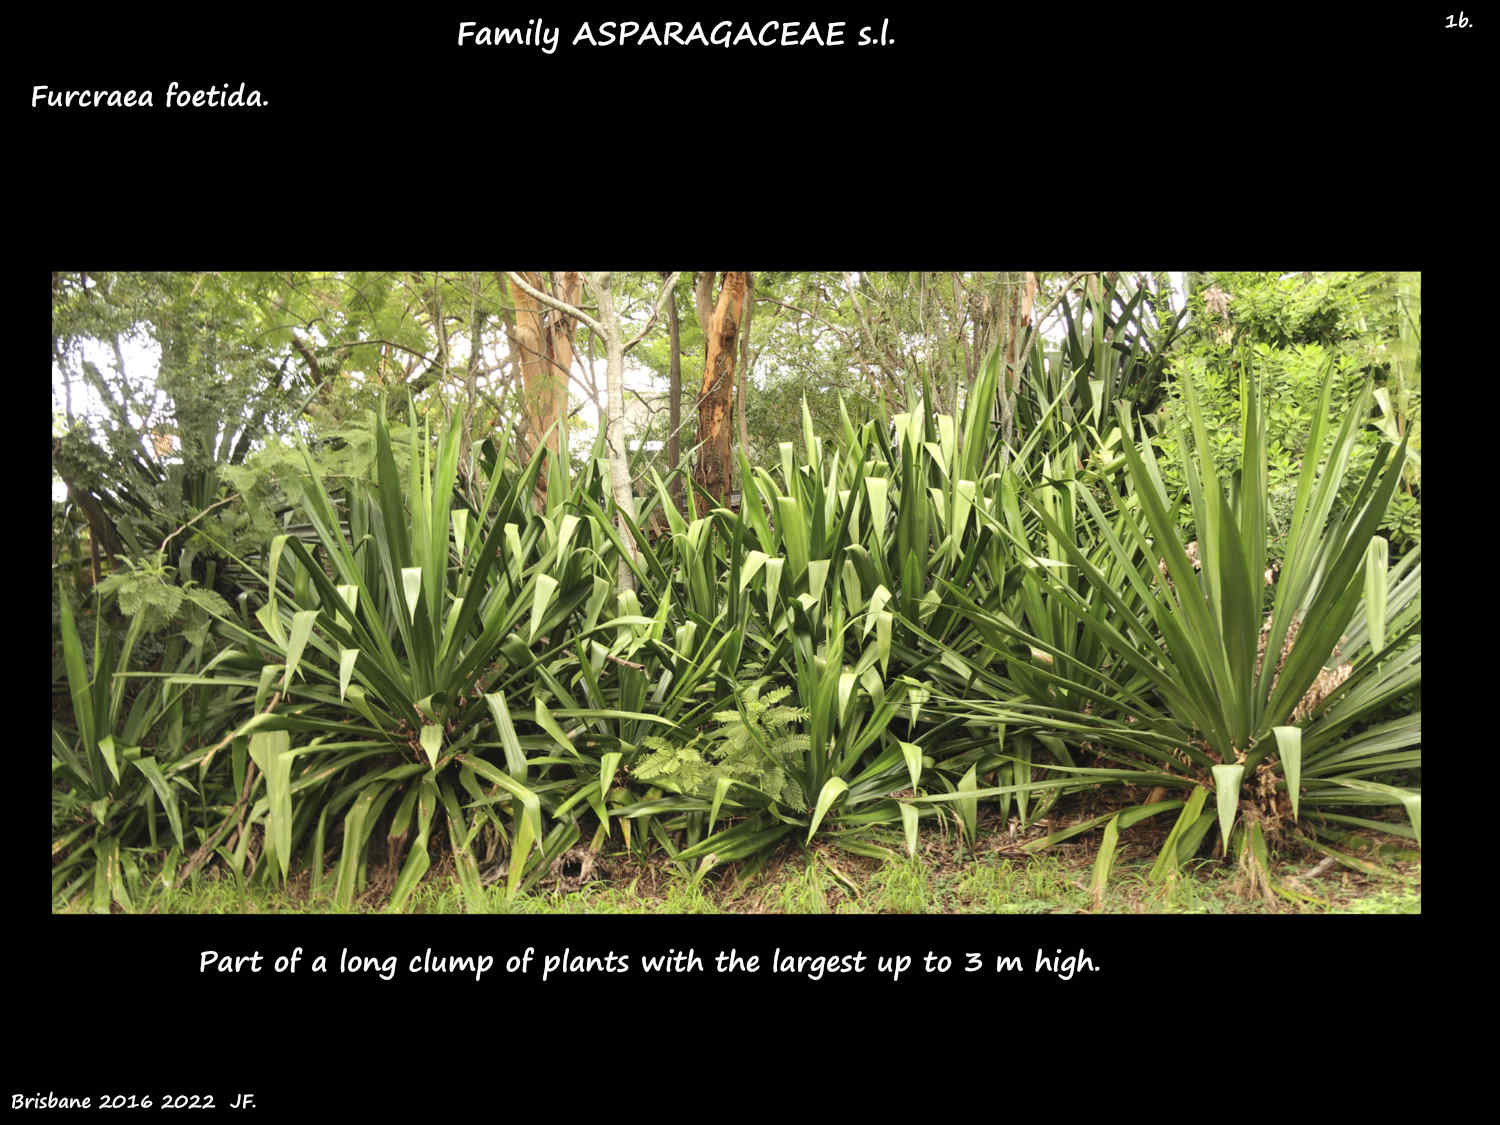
pixel 832 790
pixel 270 750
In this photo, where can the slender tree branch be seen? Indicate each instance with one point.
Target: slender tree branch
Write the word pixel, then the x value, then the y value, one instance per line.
pixel 661 301
pixel 1066 289
pixel 864 326
pixel 814 317
pixel 314 368
pixel 195 519
pixel 552 302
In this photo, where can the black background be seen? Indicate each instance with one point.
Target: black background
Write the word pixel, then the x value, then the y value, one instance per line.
pixel 1271 138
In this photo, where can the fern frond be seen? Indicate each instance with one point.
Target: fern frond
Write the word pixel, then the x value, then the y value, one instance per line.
pixel 776 696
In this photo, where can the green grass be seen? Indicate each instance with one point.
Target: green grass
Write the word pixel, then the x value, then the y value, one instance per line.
pixel 824 880
pixel 1400 900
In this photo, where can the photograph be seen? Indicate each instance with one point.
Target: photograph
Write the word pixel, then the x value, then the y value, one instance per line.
pixel 742 592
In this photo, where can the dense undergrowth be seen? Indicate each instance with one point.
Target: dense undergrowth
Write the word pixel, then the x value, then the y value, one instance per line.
pixel 907 625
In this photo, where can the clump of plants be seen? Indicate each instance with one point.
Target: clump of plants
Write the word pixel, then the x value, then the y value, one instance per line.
pixel 1224 691
pixel 1045 592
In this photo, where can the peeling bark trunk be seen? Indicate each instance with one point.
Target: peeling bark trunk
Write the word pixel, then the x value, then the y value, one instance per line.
pixel 528 351
pixel 713 473
pixel 542 343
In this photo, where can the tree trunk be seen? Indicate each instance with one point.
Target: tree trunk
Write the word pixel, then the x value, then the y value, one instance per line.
pixel 744 367
pixel 703 299
pixel 674 440
pixel 614 436
pixel 542 341
pixel 713 473
pixel 1017 295
pixel 605 327
pixel 527 349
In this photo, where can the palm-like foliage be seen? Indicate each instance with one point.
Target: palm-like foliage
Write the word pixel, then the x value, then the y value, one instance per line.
pixel 1343 752
pixel 403 640
pixel 1224 680
pixel 118 775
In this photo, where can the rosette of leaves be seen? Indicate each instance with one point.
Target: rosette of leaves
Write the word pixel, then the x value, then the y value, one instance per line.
pixel 409 635
pixel 1227 686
